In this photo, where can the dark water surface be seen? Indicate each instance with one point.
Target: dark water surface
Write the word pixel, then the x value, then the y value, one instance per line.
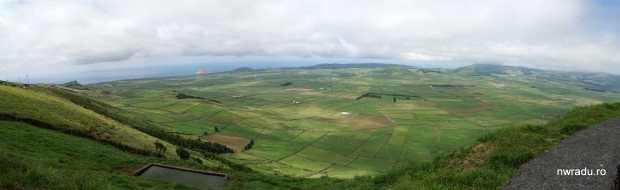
pixel 189 178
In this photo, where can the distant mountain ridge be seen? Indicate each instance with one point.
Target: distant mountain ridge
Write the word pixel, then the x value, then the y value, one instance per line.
pixel 243 69
pixel 600 82
pixel 351 65
pixel 330 66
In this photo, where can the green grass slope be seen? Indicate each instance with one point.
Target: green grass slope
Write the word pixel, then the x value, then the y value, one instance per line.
pixel 36 158
pixel 496 156
pixel 45 109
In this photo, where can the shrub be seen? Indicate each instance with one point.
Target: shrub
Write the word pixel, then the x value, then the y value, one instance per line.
pixel 183 154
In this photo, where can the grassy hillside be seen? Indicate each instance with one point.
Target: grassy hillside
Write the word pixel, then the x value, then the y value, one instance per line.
pixel 496 156
pixel 36 158
pixel 140 123
pixel 61 114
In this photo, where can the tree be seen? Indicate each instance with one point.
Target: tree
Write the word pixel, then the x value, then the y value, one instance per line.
pixel 182 153
pixel 216 129
pixel 249 145
pixel 161 149
pixel 157 145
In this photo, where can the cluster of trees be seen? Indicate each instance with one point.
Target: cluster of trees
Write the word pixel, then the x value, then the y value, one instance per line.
pixel 15 84
pixel 396 96
pixel 161 149
pixel 185 155
pixel 215 101
pixel 130 149
pixel 401 98
pixel 369 95
pixel 6 83
pixel 185 96
pixel 451 85
pixel 429 70
pixel 195 144
pixel 182 153
pixel 249 145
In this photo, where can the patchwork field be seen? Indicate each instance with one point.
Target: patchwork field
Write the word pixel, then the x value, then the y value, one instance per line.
pixel 343 122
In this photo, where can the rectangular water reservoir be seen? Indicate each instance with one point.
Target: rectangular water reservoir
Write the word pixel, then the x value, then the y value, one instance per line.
pixel 185 176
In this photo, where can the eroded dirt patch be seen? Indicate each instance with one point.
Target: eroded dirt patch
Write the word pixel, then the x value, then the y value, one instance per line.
pixel 300 89
pixel 314 93
pixel 311 92
pixel 477 157
pixel 469 111
pixel 485 106
pixel 361 122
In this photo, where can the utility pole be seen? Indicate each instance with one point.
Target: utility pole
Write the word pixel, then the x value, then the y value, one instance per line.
pixel 27 79
pixel 19 79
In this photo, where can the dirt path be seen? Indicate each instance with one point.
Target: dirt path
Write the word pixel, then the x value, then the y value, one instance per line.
pixel 590 151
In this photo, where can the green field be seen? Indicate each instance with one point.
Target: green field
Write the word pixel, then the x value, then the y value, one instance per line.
pixel 317 127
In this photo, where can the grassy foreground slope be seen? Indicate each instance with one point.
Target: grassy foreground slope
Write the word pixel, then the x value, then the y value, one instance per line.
pixel 40 106
pixel 496 156
pixel 37 158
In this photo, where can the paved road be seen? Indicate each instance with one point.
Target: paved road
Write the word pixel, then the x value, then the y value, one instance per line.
pixel 597 147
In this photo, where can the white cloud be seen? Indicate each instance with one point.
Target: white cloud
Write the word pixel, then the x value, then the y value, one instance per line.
pixel 63 33
pixel 416 56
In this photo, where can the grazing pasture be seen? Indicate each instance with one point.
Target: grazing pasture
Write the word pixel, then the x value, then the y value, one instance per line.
pixel 343 122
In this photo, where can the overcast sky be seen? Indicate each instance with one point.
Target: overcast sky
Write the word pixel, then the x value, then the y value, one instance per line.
pixel 56 40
